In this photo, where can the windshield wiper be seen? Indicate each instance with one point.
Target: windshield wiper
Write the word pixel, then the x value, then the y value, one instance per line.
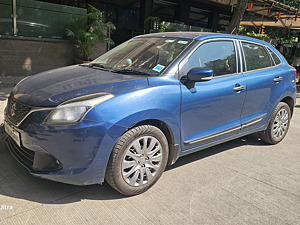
pixel 84 64
pixel 130 71
pixel 98 66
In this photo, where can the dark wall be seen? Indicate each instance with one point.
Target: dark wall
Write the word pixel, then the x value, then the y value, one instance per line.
pixel 24 57
pixel 20 57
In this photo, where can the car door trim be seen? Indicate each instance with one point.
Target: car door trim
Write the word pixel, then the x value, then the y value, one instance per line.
pixel 214 135
pixel 227 131
pixel 253 121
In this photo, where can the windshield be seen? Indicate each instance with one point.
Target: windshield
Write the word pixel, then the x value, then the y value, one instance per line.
pixel 148 56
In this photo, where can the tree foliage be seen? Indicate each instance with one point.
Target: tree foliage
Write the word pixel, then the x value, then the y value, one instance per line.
pixel 292 3
pixel 281 34
pixel 161 26
pixel 87 30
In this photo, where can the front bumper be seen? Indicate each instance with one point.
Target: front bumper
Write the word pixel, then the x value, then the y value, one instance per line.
pixel 75 154
pixel 33 161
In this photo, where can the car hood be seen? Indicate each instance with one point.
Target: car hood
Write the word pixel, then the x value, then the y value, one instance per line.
pixel 54 87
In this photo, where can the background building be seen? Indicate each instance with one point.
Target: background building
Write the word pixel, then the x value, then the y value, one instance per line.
pixel 32 32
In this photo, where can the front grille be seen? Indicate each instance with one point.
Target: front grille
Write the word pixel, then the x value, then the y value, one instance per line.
pixel 22 155
pixel 16 110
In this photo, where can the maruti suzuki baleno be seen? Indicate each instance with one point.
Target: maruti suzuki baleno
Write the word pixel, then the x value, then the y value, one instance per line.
pixel 139 107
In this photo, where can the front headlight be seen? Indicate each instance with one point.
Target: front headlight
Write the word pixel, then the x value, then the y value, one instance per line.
pixel 74 110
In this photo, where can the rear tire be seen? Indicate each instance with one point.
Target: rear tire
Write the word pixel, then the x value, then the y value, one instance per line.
pixel 137 160
pixel 278 126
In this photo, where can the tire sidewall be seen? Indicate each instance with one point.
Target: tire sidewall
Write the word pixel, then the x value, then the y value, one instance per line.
pixel 280 106
pixel 137 133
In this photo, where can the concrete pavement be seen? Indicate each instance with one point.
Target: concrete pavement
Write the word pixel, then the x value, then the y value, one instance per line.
pixel 3 96
pixel 239 182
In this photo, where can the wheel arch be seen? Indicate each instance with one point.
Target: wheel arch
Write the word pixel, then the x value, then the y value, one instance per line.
pixel 290 101
pixel 165 128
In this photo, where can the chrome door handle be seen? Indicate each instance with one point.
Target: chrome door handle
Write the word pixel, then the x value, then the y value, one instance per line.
pixel 239 88
pixel 277 79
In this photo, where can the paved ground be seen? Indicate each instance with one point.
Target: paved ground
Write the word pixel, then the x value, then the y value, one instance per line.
pixel 240 182
pixel 3 96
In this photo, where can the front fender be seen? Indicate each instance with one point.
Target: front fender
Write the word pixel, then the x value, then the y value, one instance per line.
pixel 154 114
pixel 159 101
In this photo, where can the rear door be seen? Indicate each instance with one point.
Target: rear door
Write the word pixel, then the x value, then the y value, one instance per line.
pixel 264 79
pixel 211 110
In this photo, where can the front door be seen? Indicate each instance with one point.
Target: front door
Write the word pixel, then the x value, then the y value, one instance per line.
pixel 211 110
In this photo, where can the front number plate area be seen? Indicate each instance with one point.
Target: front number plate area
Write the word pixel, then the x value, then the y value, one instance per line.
pixel 15 135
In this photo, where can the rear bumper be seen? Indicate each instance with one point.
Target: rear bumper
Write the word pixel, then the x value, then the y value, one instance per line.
pixel 74 155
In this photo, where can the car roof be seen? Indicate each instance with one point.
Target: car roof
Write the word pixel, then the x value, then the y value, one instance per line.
pixel 187 35
pixel 202 36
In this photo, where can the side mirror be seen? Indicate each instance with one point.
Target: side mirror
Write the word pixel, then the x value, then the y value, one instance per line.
pixel 198 74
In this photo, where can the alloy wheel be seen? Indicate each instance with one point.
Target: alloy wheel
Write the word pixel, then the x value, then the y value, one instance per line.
pixel 142 161
pixel 280 124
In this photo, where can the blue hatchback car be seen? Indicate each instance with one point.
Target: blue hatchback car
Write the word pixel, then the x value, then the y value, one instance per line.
pixel 139 107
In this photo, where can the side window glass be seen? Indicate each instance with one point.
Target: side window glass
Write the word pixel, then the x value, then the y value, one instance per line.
pixel 216 55
pixel 256 56
pixel 275 57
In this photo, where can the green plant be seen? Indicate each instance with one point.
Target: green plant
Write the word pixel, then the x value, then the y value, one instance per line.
pixel 292 3
pixel 161 26
pixel 283 35
pixel 86 31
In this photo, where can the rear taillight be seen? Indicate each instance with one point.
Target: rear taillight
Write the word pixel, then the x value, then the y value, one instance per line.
pixel 295 73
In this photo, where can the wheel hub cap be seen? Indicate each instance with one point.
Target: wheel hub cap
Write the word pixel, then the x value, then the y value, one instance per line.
pixel 142 161
pixel 280 124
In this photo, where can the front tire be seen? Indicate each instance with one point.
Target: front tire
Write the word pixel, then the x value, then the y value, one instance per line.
pixel 278 126
pixel 137 160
